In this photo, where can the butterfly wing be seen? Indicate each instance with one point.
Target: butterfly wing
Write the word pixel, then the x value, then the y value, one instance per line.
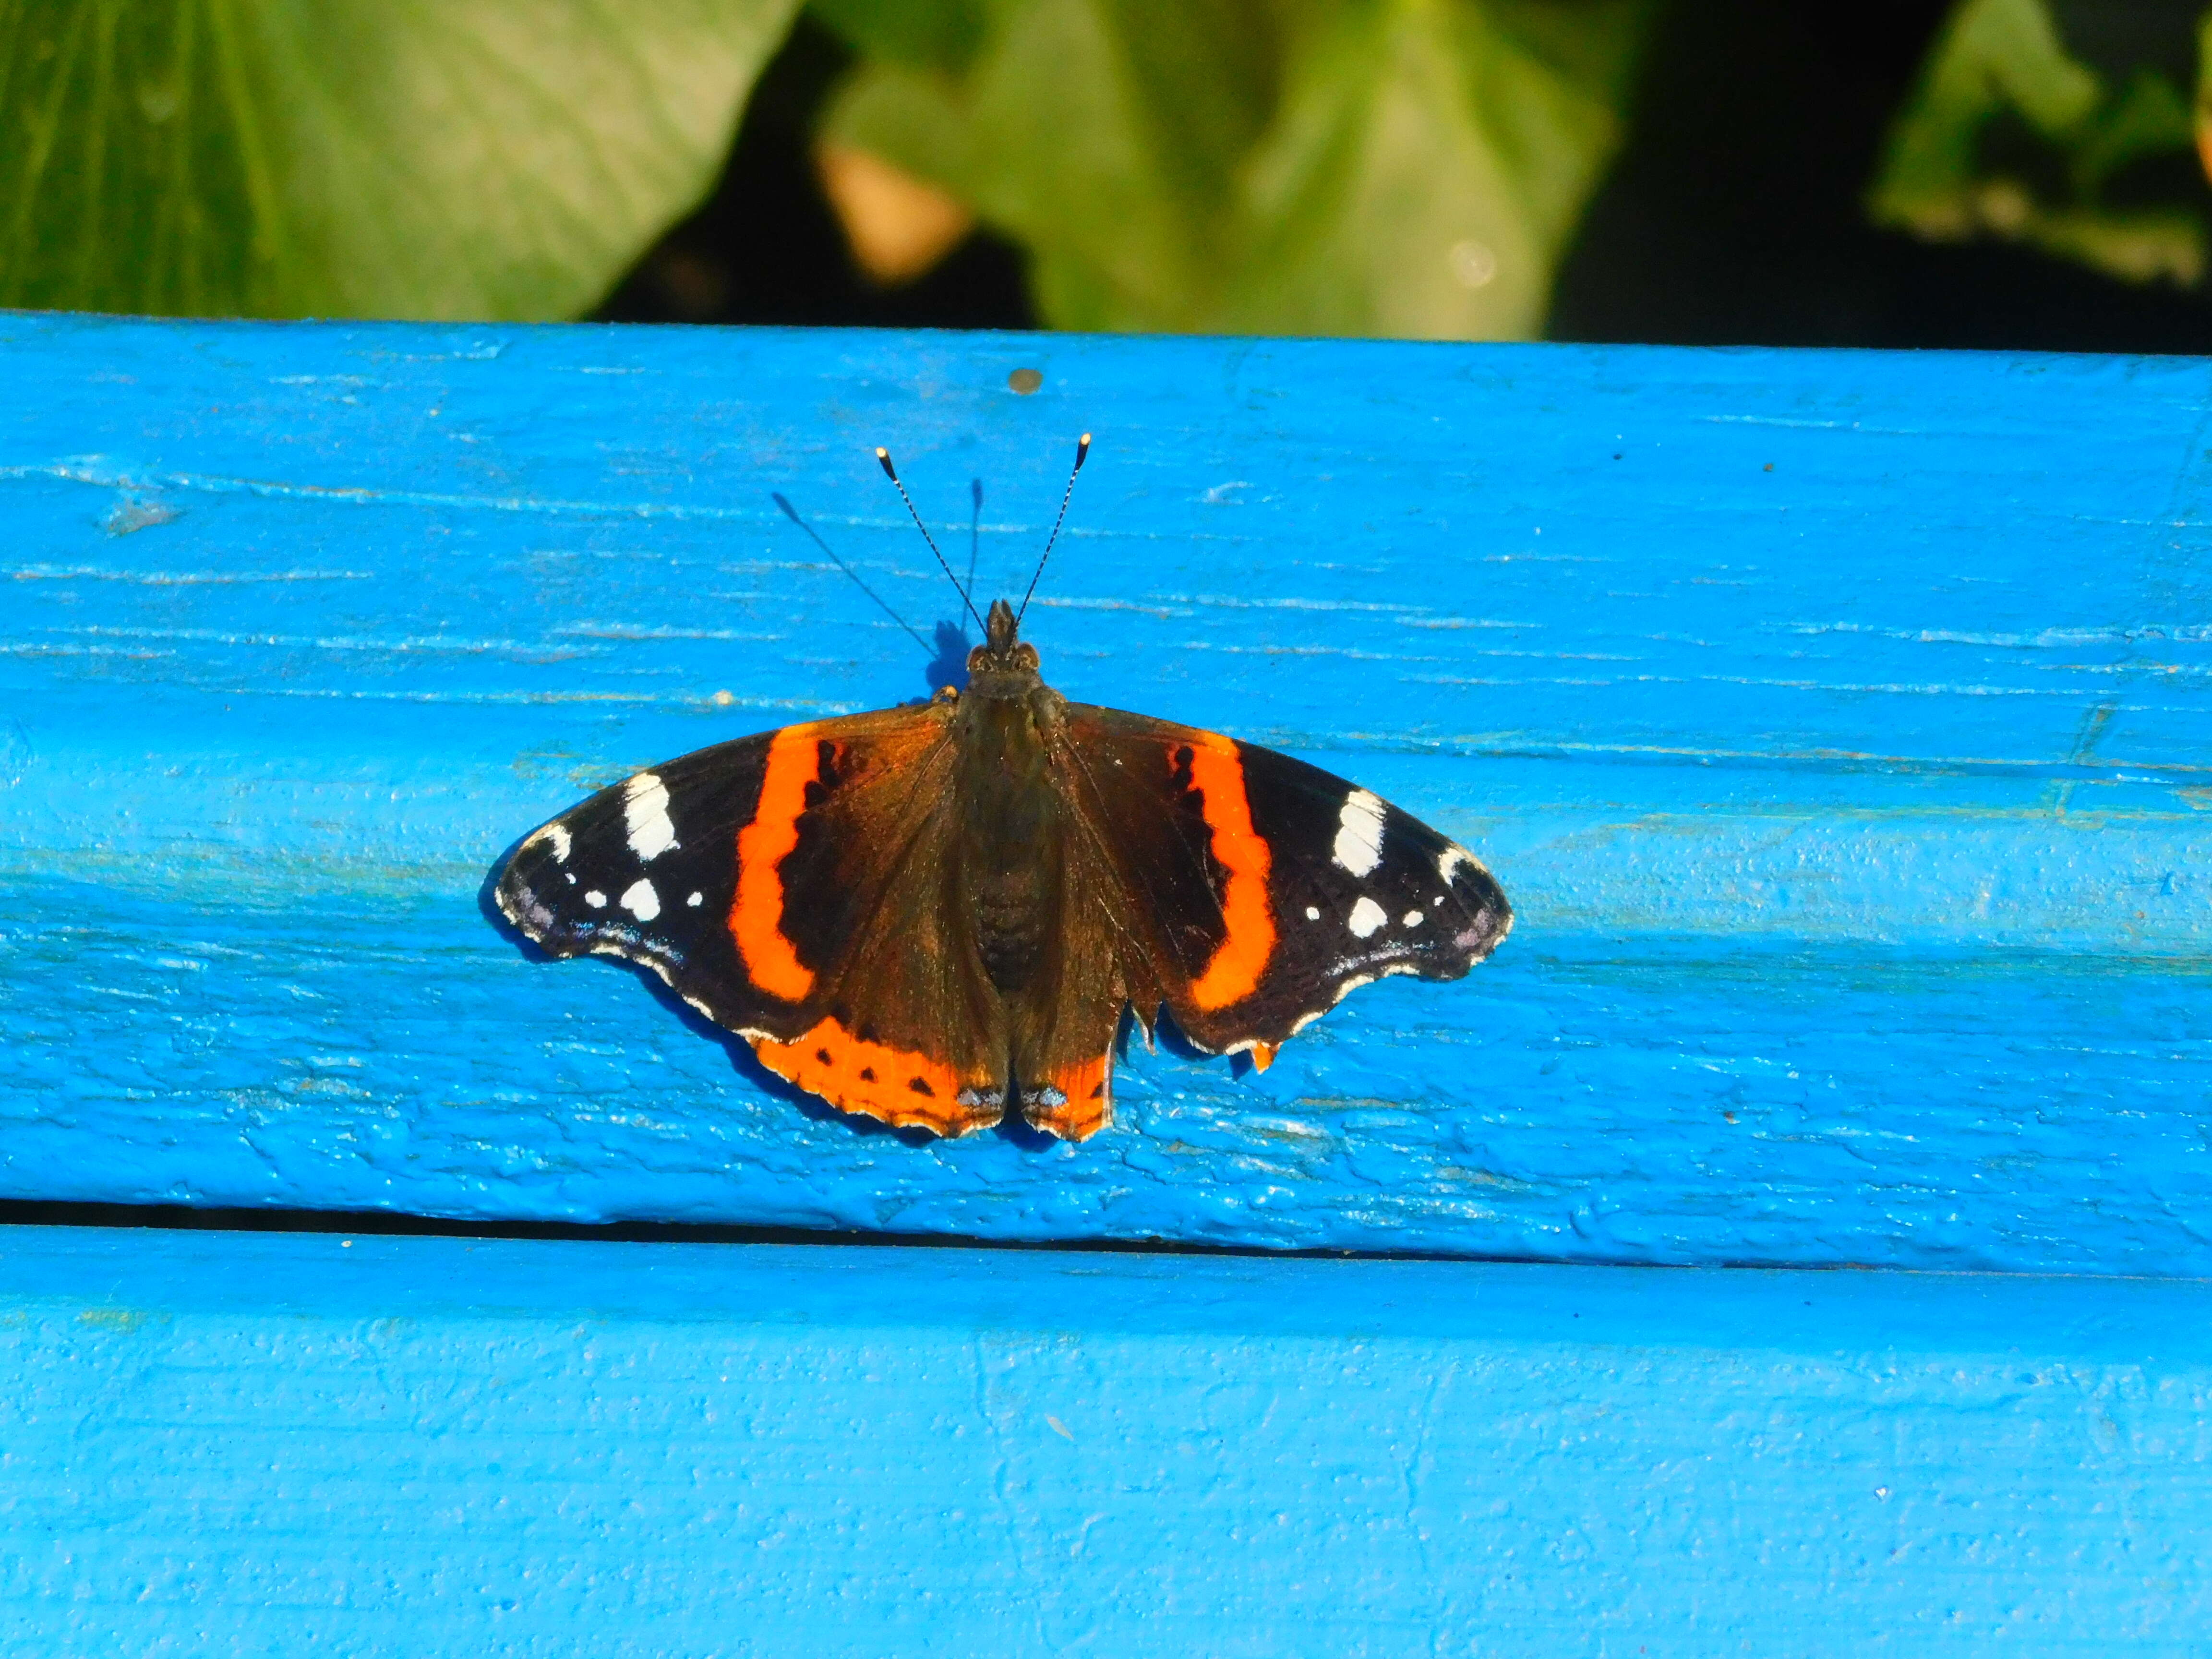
pixel 793 887
pixel 1248 892
pixel 789 886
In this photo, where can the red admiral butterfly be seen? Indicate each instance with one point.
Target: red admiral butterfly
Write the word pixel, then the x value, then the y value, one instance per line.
pixel 915 912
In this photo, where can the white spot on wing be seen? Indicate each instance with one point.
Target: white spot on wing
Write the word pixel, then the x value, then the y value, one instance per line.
pixel 641 901
pixel 596 899
pixel 1366 916
pixel 1415 918
pixel 695 900
pixel 1313 913
pixel 644 810
pixel 1359 833
pixel 1449 860
pixel 556 836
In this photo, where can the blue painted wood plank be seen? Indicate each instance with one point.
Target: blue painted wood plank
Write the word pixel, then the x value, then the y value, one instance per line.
pixel 273 1444
pixel 1838 722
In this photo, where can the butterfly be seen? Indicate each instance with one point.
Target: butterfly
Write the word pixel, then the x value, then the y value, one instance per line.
pixel 928 913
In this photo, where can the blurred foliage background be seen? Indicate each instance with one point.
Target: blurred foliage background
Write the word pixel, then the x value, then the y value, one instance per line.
pixel 1977 172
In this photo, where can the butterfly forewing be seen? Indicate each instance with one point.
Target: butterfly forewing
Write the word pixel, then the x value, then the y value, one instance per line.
pixel 1254 890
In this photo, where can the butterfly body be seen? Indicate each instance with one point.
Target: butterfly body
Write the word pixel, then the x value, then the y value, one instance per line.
pixel 1011 864
pixel 928 914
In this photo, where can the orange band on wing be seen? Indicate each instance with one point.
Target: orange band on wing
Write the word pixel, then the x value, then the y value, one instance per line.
pixel 756 913
pixel 893 1084
pixel 1084 1106
pixel 1241 957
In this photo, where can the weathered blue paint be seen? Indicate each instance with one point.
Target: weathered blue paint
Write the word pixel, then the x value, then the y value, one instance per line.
pixel 1855 808
pixel 283 1445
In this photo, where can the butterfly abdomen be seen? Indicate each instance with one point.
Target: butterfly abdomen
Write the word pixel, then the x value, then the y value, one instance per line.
pixel 1009 848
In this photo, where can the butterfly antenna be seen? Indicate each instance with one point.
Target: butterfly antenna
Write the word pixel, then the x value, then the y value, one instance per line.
pixel 883 457
pixel 1082 449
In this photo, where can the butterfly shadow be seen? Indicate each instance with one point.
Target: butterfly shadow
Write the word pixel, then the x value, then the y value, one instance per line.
pixel 949 666
pixel 1167 1036
pixel 947 663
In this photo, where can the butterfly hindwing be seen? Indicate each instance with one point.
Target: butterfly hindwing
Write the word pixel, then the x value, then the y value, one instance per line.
pixel 789 886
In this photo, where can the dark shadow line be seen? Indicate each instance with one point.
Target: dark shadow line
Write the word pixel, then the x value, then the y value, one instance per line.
pixel 384 1223
pixel 791 513
pixel 975 532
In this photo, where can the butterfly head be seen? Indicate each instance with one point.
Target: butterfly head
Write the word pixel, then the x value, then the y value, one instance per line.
pixel 1005 663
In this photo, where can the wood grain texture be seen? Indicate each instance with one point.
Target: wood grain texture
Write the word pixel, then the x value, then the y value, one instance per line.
pixel 1835 721
pixel 270 1444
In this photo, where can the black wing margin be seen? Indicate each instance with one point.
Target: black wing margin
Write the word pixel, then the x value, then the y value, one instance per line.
pixel 1359 889
pixel 647 870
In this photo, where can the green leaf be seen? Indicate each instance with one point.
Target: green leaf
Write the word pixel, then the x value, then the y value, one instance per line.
pixel 941 34
pixel 2000 71
pixel 1409 167
pixel 393 158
